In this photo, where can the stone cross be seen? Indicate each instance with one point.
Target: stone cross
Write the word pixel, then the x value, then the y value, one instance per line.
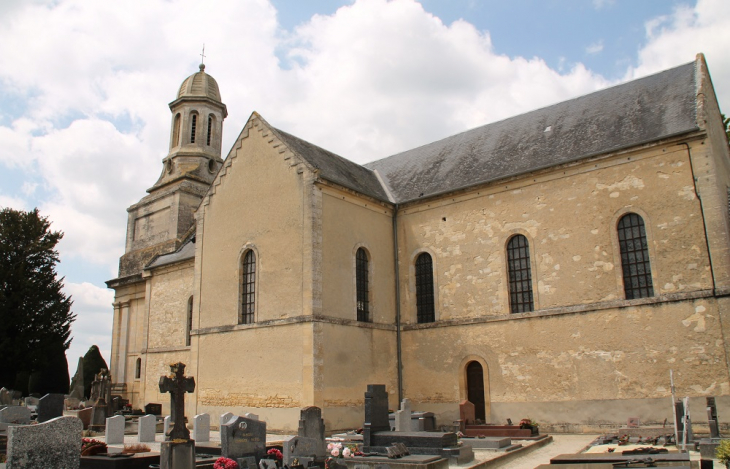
pixel 177 385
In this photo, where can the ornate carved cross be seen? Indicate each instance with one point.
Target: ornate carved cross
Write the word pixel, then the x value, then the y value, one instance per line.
pixel 177 385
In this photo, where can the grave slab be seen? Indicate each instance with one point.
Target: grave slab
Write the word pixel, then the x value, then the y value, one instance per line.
pixel 406 462
pixel 135 461
pixel 55 443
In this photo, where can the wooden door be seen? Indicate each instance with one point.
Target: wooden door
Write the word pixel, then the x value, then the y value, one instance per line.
pixel 475 389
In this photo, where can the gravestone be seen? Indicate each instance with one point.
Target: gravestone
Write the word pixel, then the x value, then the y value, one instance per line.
pixel 225 418
pixel 71 403
pixel 146 428
pixel 251 416
pixel 5 397
pixel 201 428
pixel 101 399
pixel 50 406
pixel 85 416
pixel 467 413
pixel 177 386
pixel 115 430
pixel 309 442
pixel 403 417
pixel 14 414
pixel 76 390
pixel 270 464
pixel 178 450
pixel 311 423
pixel 31 402
pixel 376 412
pixel 166 425
pixel 55 443
pixel 247 462
pixel 153 409
pixel 243 437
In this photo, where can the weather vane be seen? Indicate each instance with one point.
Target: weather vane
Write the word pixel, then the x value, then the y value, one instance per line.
pixel 202 60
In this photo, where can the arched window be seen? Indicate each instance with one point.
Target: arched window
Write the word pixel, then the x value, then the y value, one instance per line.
pixel 361 279
pixel 520 275
pixel 176 131
pixel 424 288
pixel 634 257
pixel 138 369
pixel 248 288
pixel 193 125
pixel 190 321
pixel 210 129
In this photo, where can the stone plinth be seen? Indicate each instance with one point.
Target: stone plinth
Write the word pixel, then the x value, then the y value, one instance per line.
pixel 177 455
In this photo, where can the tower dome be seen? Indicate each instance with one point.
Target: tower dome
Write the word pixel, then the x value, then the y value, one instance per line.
pixel 200 85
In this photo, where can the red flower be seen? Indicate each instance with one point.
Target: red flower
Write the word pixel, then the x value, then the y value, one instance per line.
pixel 225 463
pixel 276 453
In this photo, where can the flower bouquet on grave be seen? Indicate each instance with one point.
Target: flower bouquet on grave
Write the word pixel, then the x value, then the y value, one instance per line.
pixel 91 447
pixel 340 451
pixel 225 463
pixel 275 455
pixel 530 425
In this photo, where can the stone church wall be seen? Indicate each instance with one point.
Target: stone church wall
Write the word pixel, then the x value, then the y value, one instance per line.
pixel 584 345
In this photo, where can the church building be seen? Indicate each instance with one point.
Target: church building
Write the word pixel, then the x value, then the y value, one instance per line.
pixel 555 265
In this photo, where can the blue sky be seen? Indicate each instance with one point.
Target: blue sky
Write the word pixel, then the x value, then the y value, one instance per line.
pixel 84 87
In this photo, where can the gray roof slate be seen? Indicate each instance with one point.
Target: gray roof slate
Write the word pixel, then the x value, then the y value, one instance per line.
pixel 630 114
pixel 335 168
pixel 184 252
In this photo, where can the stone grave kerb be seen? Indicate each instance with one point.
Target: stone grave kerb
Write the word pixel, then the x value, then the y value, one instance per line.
pixel 376 412
pixel 177 384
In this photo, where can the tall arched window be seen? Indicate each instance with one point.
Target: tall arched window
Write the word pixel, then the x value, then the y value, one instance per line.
pixel 248 288
pixel 176 131
pixel 138 369
pixel 520 275
pixel 424 288
pixel 361 280
pixel 190 321
pixel 193 125
pixel 635 257
pixel 210 129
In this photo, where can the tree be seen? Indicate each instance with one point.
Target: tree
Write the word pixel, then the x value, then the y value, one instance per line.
pixel 35 315
pixel 726 125
pixel 93 363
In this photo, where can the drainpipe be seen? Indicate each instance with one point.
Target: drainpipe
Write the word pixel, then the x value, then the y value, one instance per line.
pixel 399 359
pixel 702 212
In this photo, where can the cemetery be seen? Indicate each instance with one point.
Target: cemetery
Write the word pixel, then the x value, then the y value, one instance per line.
pixel 64 432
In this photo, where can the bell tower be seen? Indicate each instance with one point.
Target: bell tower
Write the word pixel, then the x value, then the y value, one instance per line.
pixel 160 222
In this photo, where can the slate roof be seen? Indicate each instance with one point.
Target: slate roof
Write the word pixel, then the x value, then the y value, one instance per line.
pixel 630 114
pixel 335 168
pixel 184 252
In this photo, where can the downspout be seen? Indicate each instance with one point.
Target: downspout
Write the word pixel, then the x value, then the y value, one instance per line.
pixel 702 212
pixel 399 359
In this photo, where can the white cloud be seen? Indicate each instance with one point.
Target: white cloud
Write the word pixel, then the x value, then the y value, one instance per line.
pixel 675 39
pixel 600 4
pixel 595 48
pixel 372 79
pixel 15 203
pixel 92 306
